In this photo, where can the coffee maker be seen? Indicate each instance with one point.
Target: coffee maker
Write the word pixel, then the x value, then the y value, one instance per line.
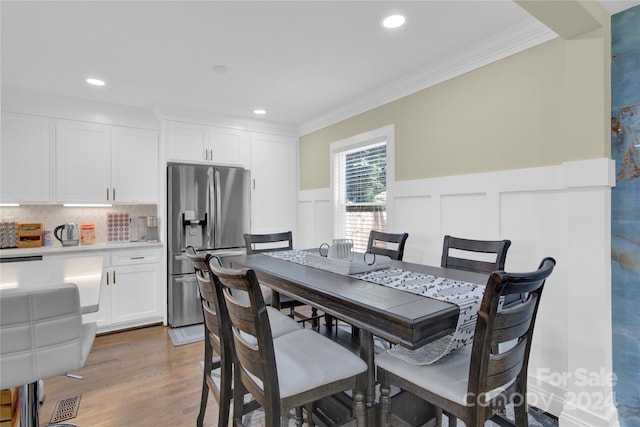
pixel 148 229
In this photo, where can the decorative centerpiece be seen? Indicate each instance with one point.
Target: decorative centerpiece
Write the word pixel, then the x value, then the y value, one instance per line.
pixel 339 258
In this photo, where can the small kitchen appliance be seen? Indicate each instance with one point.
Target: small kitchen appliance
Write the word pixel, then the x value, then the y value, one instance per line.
pixel 67 234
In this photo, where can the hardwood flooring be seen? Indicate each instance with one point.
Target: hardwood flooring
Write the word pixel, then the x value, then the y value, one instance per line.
pixel 135 378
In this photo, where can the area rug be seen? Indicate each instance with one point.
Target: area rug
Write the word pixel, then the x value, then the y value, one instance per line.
pixel 186 334
pixel 536 419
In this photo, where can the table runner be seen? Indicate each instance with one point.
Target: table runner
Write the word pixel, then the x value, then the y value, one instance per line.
pixel 467 296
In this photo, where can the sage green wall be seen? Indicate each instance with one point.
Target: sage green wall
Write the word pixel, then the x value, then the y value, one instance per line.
pixel 541 107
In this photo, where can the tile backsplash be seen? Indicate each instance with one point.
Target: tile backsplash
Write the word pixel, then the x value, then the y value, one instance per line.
pixel 53 215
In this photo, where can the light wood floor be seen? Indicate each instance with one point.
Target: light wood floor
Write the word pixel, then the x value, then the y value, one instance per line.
pixel 135 378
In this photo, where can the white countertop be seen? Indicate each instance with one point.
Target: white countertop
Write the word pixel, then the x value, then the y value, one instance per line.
pixel 59 249
pixel 85 272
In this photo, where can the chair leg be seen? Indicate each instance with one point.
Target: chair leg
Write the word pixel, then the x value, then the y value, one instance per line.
pixel 299 416
pixel 238 399
pixel 309 409
pixel 328 321
pixel 203 400
pixel 360 409
pixel 438 417
pixel 521 414
pixel 385 405
pixel 28 401
pixel 226 394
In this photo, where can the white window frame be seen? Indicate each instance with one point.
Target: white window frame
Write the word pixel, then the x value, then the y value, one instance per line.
pixel 386 133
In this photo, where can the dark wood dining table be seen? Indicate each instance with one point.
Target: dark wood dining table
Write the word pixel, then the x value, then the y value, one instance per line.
pixel 397 316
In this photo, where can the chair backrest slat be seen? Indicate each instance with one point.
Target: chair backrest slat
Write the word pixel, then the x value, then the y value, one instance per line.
pixel 496 249
pixel 513 322
pixel 505 367
pixel 257 243
pixel 378 238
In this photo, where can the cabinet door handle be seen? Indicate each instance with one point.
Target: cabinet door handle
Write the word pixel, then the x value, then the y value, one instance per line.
pixel 254 183
pixel 107 193
pixel 108 279
pixel 211 154
pixel 113 192
pixel 206 154
pixel 114 277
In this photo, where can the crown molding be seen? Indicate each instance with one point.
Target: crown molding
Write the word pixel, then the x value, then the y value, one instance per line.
pixel 216 119
pixel 69 108
pixel 506 43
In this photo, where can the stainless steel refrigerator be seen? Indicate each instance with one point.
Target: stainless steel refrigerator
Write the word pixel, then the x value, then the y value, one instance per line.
pixel 208 207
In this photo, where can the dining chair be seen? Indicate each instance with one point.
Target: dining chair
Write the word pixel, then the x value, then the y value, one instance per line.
pixel 282 373
pixel 260 243
pixel 218 339
pixel 475 383
pixel 494 251
pixel 379 243
pixel 41 336
pixel 484 256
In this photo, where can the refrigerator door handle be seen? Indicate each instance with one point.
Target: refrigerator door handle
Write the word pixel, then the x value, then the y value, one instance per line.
pixel 218 208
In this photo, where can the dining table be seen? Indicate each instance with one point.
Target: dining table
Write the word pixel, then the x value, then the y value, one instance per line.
pixel 399 317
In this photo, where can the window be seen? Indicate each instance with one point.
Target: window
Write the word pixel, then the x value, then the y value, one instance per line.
pixel 360 171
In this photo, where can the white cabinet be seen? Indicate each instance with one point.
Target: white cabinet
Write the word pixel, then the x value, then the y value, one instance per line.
pixel 193 142
pixel 105 164
pixel 83 162
pixel 131 292
pixel 25 159
pixel 134 166
pixel 274 183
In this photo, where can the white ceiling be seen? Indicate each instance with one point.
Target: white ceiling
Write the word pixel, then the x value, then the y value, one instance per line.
pixel 300 60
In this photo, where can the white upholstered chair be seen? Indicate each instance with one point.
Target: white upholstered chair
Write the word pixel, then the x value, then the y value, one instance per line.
pixel 41 336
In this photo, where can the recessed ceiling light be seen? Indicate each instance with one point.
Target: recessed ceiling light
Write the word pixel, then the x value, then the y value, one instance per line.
pixel 95 82
pixel 393 21
pixel 259 111
pixel 220 69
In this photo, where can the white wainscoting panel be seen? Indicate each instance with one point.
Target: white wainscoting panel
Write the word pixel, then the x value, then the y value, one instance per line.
pixel 560 211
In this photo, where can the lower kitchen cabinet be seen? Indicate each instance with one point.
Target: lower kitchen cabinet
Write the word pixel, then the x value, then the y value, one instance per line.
pixel 131 290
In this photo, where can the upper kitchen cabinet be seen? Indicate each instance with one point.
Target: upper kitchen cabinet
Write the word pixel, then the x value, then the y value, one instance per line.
pixel 83 162
pixel 274 183
pixel 105 164
pixel 25 159
pixel 192 142
pixel 134 166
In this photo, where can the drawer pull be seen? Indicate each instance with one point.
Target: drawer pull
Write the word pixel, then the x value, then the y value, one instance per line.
pixel 137 257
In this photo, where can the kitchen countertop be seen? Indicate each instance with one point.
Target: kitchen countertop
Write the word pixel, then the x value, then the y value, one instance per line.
pixel 85 272
pixel 59 249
